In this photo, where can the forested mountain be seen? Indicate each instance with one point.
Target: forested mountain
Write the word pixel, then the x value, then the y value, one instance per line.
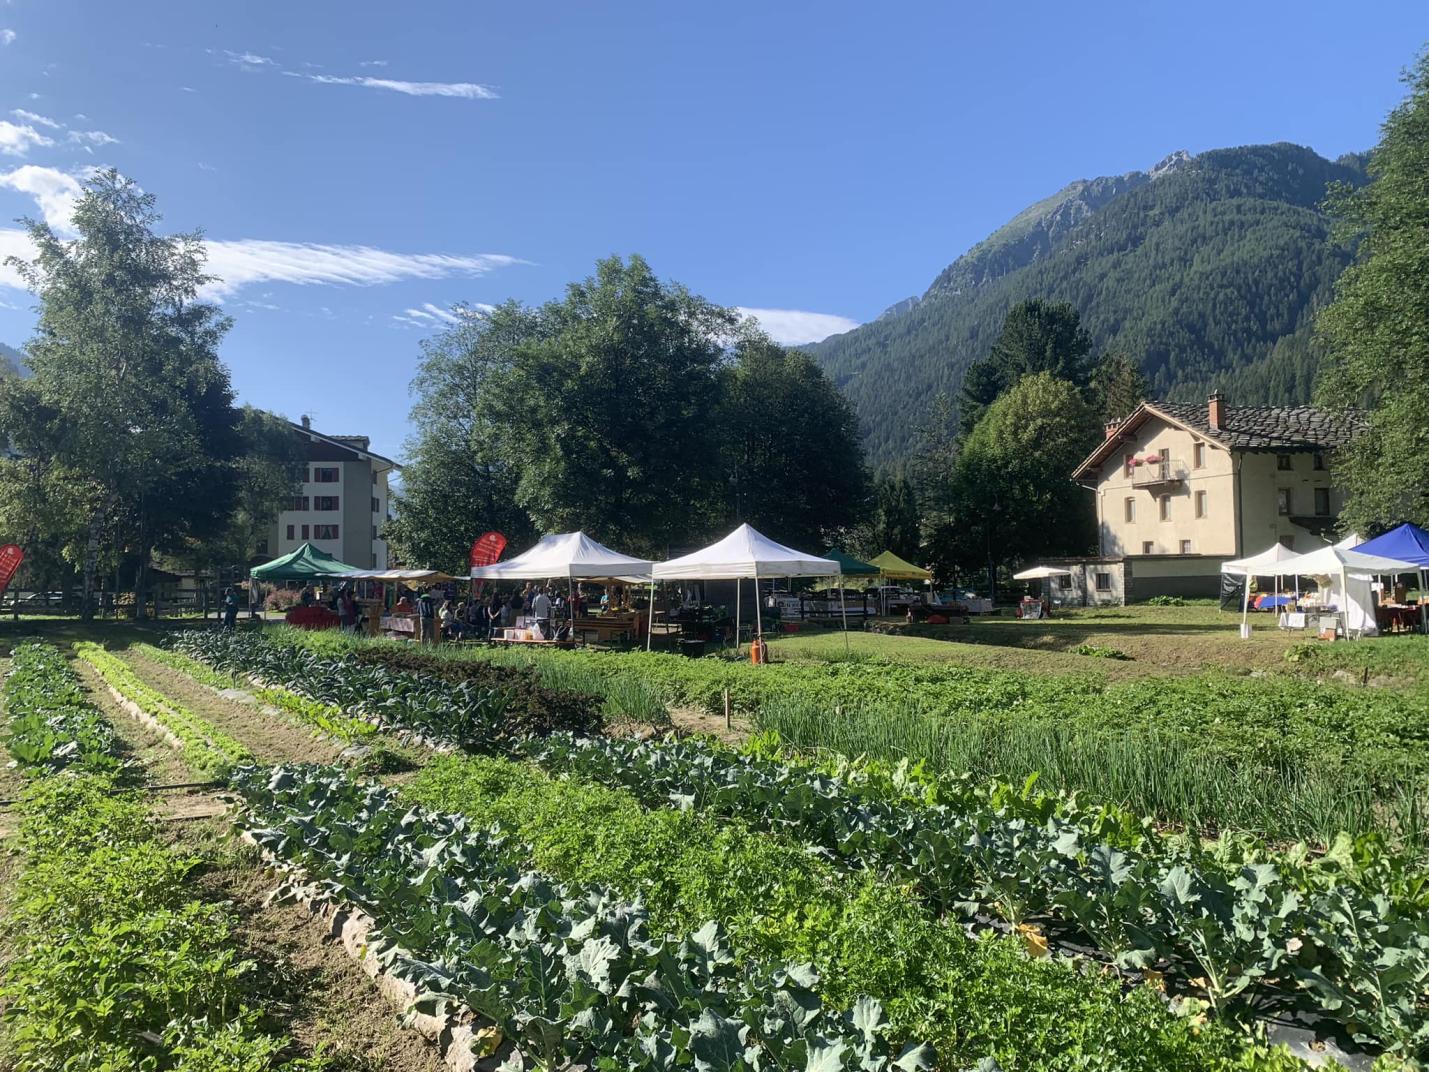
pixel 1206 270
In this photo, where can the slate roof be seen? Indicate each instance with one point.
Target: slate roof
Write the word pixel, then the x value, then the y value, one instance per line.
pixel 1269 428
pixel 1273 429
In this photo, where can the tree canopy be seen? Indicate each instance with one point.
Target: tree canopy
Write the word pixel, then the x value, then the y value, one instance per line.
pixel 1037 336
pixel 1376 331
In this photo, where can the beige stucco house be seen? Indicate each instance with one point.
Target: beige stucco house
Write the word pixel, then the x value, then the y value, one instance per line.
pixel 1182 487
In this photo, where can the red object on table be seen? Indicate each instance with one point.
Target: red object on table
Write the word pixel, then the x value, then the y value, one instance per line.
pixel 10 558
pixel 311 618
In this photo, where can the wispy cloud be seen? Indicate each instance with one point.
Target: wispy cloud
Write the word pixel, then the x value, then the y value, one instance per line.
pixel 239 263
pixel 793 327
pixel 373 63
pixel 245 59
pixel 34 117
pixel 465 90
pixel 92 139
pixel 17 139
pixel 7 36
pixel 431 315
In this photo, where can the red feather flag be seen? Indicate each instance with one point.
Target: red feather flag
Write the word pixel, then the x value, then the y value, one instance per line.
pixel 10 558
pixel 487 548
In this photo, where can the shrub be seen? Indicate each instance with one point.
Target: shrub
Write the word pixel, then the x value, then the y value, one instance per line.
pixel 282 599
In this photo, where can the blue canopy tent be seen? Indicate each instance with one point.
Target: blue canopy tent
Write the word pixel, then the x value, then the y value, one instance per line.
pixel 1411 544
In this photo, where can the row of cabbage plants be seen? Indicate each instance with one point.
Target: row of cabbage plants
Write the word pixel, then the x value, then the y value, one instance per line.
pixel 480 712
pixel 49 724
pixel 570 973
pixel 1261 935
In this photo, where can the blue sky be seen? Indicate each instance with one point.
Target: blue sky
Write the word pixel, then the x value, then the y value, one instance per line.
pixel 360 167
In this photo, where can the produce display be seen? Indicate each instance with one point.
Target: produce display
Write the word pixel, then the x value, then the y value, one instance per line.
pixel 49 724
pixel 476 713
pixel 207 748
pixel 1250 937
pixel 569 972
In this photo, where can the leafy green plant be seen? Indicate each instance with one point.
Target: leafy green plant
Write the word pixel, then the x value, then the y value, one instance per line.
pixel 206 747
pixel 50 724
pixel 1099 651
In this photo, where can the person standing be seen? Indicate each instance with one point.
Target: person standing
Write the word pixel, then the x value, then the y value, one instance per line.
pixel 541 610
pixel 344 611
pixel 426 617
pixel 495 611
pixel 230 610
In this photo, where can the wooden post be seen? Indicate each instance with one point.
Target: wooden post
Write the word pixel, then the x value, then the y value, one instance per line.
pixel 728 718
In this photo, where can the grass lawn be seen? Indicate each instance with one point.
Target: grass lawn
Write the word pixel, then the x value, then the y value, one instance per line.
pixel 1157 640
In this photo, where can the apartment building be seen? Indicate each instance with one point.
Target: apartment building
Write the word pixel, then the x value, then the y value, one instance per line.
pixel 344 500
pixel 1182 487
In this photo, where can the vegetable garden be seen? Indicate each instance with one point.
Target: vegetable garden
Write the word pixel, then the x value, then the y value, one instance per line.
pixel 666 903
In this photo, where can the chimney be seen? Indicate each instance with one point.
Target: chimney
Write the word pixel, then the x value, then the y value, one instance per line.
pixel 1216 411
pixel 1111 427
pixel 307 422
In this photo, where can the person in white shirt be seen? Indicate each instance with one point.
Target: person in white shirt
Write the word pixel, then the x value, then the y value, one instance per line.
pixel 541 611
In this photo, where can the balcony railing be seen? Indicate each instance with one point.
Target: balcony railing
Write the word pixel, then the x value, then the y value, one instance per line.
pixel 1158 474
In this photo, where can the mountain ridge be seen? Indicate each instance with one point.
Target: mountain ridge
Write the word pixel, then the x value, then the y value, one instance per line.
pixel 1201 268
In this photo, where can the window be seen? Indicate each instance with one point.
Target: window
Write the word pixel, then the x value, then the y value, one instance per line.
pixel 1282 462
pixel 290 532
pixel 324 532
pixel 376 506
pixel 1064 583
pixel 1200 504
pixel 1282 501
pixel 1129 464
pixel 1165 502
pixel 374 533
pixel 325 475
pixel 325 503
pixel 1322 502
pixel 1103 582
pixel 1130 505
pixel 305 532
pixel 1198 456
pixel 298 502
pixel 1185 547
pixel 1319 461
pixel 1147 547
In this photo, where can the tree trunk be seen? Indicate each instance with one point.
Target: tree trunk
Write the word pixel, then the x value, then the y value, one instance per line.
pixel 91 554
pixel 141 577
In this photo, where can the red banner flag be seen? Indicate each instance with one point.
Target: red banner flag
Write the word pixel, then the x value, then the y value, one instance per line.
pixel 487 548
pixel 10 558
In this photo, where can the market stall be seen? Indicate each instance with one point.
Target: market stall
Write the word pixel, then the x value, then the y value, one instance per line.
pixel 569 556
pixel 1408 543
pixel 306 563
pixel 893 568
pixel 1351 605
pixel 848 567
pixel 744 554
pixel 1039 608
pixel 375 611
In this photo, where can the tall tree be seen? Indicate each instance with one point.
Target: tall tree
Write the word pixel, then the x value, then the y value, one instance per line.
pixel 1036 336
pixel 124 355
pixel 791 445
pixel 1013 490
pixel 459 480
pixel 1377 329
pixel 894 524
pixel 605 413
pixel 1117 386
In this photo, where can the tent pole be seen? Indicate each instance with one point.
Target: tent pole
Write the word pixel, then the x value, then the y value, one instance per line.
pixel 843 606
pixel 1245 604
pixel 650 619
pixel 736 613
pixel 758 609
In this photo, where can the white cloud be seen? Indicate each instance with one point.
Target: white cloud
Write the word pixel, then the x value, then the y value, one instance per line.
pixel 7 36
pixel 466 90
pixel 34 117
pixel 17 139
pixel 793 327
pixel 245 59
pixel 91 138
pixel 373 63
pixel 239 263
pixel 431 315
pixel 55 192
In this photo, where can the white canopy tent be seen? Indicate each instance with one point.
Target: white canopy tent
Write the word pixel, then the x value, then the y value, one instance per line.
pixel 744 554
pixel 1268 563
pixel 572 555
pixel 1352 570
pixel 1041 573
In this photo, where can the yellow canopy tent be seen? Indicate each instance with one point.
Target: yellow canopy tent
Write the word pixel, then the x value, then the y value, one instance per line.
pixel 896 569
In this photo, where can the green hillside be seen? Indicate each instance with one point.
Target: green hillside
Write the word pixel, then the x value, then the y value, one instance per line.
pixel 1206 269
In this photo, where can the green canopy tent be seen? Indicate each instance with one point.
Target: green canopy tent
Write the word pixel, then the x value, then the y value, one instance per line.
pixel 850 567
pixel 307 563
